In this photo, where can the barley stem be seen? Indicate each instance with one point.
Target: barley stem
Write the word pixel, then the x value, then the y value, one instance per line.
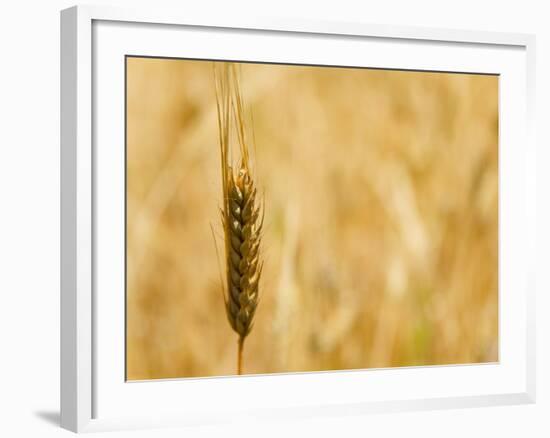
pixel 240 356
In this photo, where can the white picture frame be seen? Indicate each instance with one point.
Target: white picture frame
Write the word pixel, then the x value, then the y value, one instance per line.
pixel 93 389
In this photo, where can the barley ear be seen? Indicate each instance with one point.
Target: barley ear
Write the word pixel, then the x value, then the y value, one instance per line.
pixel 242 214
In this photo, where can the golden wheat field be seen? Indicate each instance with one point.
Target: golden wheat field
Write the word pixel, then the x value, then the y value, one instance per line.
pixel 380 235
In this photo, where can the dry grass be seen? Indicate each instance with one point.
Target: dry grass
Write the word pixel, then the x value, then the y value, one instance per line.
pixel 381 226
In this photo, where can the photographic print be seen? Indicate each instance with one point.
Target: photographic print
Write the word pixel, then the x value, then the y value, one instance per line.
pixel 295 218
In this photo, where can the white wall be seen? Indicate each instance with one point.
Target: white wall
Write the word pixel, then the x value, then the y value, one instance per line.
pixel 29 218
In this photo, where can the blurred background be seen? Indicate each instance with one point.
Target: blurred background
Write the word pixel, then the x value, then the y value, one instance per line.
pixel 381 227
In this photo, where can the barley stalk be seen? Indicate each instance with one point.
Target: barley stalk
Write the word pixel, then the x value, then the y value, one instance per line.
pixel 242 215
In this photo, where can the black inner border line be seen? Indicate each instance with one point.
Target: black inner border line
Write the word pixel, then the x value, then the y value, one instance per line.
pixel 126 218
pixel 299 64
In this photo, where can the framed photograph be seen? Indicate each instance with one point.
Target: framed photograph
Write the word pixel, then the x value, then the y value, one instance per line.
pixel 283 218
